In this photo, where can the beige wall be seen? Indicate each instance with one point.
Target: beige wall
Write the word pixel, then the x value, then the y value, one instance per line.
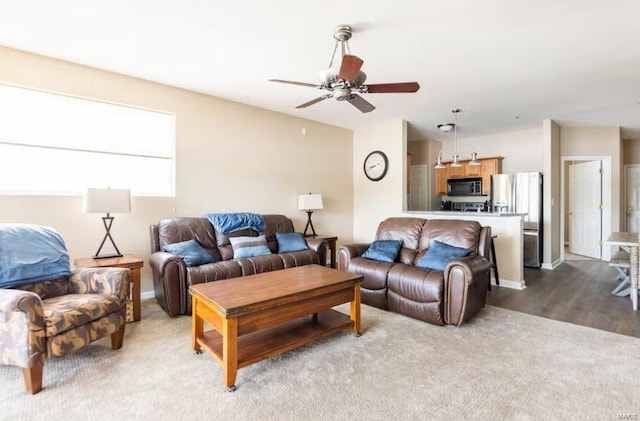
pixel 521 149
pixel 375 201
pixel 434 150
pixel 419 150
pixel 551 194
pixel 230 157
pixel 631 151
pixel 601 142
pixel 588 141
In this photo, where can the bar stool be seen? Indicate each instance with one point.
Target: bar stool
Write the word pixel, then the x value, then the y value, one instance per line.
pixel 494 263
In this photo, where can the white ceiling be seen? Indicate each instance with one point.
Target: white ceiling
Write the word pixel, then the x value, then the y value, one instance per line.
pixel 508 64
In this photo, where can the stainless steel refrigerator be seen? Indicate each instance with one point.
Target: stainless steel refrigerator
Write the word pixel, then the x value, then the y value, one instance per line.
pixel 522 193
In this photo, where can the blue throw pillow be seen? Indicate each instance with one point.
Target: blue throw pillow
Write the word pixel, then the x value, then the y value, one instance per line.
pixel 290 241
pixel 249 246
pixel 439 254
pixel 383 250
pixel 191 252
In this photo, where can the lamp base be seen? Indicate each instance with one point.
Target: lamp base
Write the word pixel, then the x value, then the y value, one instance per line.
pixel 107 221
pixel 106 256
pixel 309 224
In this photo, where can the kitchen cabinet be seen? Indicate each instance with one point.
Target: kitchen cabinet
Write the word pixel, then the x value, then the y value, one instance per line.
pixel 473 170
pixel 441 181
pixel 489 167
pixel 455 172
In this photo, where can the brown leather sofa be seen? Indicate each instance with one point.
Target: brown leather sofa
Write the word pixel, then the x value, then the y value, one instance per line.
pixel 451 296
pixel 172 278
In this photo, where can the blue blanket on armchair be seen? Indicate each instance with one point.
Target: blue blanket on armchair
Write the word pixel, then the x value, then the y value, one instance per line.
pixel 31 253
pixel 230 222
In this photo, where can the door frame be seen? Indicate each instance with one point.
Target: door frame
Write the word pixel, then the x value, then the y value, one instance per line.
pixel 425 187
pixel 625 184
pixel 605 194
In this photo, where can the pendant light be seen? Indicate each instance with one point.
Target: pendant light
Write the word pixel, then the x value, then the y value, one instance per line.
pixel 439 165
pixel 456 162
pixel 456 158
pixel 444 128
pixel 474 159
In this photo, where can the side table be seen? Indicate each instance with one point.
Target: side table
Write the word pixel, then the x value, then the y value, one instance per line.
pixel 331 240
pixel 127 261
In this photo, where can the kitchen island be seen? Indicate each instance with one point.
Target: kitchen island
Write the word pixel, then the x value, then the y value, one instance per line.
pixel 509 242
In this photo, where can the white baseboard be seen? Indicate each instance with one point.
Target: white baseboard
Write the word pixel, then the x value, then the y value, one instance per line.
pixel 551 266
pixel 146 295
pixel 507 283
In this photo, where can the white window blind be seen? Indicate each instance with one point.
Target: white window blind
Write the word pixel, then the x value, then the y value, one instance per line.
pixel 59 144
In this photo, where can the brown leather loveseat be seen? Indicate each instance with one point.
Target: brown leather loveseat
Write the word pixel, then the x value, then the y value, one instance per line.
pixel 172 277
pixel 450 296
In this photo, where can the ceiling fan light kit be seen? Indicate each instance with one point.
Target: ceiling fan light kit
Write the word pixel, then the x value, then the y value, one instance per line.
pixel 446 127
pixel 347 82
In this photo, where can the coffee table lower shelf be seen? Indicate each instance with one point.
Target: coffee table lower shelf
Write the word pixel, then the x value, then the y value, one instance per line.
pixel 267 343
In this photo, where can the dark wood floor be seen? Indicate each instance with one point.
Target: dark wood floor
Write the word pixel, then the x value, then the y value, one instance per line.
pixel 577 292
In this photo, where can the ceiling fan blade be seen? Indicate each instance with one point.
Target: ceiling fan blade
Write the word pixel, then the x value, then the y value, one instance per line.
pixel 350 67
pixel 383 88
pixel 313 101
pixel 361 103
pixel 290 82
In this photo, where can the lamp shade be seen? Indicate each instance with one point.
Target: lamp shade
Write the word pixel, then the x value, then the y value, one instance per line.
pixel 309 201
pixel 107 201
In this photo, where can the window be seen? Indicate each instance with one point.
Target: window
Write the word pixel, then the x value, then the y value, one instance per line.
pixel 59 144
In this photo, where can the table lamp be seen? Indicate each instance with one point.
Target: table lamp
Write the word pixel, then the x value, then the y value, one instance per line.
pixel 107 201
pixel 309 203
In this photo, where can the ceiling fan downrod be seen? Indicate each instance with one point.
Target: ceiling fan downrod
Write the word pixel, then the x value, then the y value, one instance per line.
pixel 342 34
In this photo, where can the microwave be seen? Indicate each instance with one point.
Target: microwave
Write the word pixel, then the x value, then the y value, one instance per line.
pixel 464 187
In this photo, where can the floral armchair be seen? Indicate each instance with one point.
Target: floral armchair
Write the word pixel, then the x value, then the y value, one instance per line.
pixel 51 318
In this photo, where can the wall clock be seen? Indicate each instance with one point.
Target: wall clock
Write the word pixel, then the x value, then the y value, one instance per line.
pixel 376 165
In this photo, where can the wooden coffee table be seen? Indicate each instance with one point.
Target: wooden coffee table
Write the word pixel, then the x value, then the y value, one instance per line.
pixel 259 316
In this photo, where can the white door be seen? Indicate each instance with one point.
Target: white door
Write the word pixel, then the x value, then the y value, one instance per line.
pixel 418 187
pixel 585 213
pixel 632 181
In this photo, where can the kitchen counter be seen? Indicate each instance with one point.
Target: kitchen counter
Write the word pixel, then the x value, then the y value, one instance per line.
pixel 507 226
pixel 466 213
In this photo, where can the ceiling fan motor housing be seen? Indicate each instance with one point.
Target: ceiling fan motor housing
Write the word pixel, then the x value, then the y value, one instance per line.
pixel 342 94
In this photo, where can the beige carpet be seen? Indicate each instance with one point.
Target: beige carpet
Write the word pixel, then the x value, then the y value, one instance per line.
pixel 502 365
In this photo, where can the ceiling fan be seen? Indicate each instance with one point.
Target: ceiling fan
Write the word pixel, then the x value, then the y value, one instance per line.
pixel 345 83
